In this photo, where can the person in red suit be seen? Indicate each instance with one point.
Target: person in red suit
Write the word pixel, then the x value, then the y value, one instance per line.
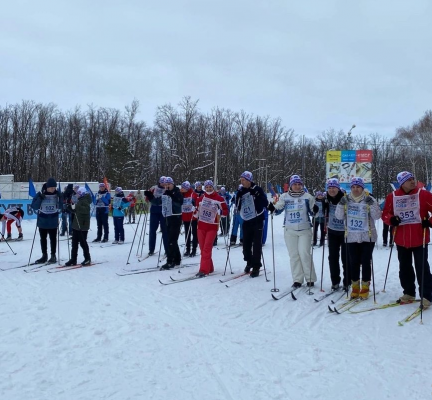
pixel 210 206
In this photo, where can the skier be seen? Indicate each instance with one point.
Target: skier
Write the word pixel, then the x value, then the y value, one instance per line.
pixel 210 207
pixel 251 202
pixel 119 205
pixel 298 207
pixel 11 215
pixel 81 226
pixel 190 224
pixel 47 204
pixel 336 236
pixel 154 196
pixel 359 210
pixel 408 209
pixel 131 212
pixel 172 201
pixel 103 201
pixel 66 214
pixel 319 219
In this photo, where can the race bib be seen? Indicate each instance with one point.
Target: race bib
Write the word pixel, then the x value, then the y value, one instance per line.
pixel 49 204
pixel 320 213
pixel 208 210
pixel 187 206
pixel 295 211
pixel 407 208
pixel 357 218
pixel 166 206
pixel 333 222
pixel 158 192
pixel 117 202
pixel 247 210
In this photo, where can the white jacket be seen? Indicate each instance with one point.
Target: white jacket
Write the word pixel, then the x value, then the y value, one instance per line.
pixel 300 207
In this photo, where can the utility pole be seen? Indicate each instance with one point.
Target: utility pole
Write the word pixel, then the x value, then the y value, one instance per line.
pixel 216 165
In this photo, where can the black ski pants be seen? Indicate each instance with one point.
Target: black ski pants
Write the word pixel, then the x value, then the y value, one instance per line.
pixel 43 233
pixel 191 235
pixel 252 241
pixel 360 254
pixel 79 238
pixel 337 248
pixel 173 224
pixel 406 270
pixel 102 222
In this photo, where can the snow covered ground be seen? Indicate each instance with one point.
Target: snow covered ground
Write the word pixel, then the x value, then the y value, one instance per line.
pixel 90 334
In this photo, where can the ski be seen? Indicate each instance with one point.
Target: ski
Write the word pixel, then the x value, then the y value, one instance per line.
pixel 247 279
pixel 151 269
pixel 62 268
pixel 302 291
pixel 38 267
pixel 382 307
pixel 324 296
pixel 410 317
pixel 347 306
pixel 231 278
pixel 27 265
pixel 190 278
pixel 147 256
pixel 113 244
pixel 284 294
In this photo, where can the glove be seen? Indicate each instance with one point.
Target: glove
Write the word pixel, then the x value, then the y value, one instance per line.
pixel 395 220
pixel 315 209
pixel 149 194
pixel 169 193
pixel 119 208
pixel 369 200
pixel 426 224
pixel 73 206
pixel 343 200
pixel 271 208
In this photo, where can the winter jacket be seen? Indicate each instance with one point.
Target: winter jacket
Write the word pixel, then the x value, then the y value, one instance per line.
pixel 176 201
pixel 220 205
pixel 131 199
pixel 374 214
pixel 260 201
pixel 81 222
pixel 47 207
pixel 297 210
pixel 119 201
pixel 409 235
pixel 189 202
pixel 103 200
pixel 334 225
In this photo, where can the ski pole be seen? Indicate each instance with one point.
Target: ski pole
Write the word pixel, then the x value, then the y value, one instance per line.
pixel 388 264
pixel 262 255
pixel 8 244
pixel 348 267
pixel 422 279
pixel 133 240
pixel 371 252
pixel 311 262
pixel 146 211
pixel 322 261
pixel 274 265
pixel 160 244
pixel 228 247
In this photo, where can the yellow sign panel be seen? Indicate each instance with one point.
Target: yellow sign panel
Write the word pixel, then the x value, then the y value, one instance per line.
pixel 334 156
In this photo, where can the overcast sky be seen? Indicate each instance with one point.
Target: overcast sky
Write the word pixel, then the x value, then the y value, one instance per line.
pixel 316 64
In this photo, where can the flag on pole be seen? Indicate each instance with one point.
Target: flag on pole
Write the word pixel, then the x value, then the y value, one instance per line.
pixel 271 189
pixel 105 180
pixel 32 189
pixel 91 193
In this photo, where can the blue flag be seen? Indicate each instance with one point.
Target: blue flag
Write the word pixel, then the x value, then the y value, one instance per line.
pixel 32 189
pixel 271 189
pixel 91 193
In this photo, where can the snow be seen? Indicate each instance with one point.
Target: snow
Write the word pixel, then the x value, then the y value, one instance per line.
pixel 90 334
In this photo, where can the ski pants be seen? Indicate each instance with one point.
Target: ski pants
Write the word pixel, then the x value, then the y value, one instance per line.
pixel 157 219
pixel 173 225
pixel 337 248
pixel 298 244
pixel 252 245
pixel 131 214
pixel 205 241
pixel 406 270
pixel 43 233
pixel 386 230
pixel 238 223
pixel 360 254
pixel 79 237
pixel 315 234
pixel 191 235
pixel 119 228
pixel 102 222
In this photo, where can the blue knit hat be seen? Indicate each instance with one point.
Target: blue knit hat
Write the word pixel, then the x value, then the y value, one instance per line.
pixel 357 181
pixel 209 183
pixel 162 179
pixel 168 179
pixel 403 176
pixel 295 179
pixel 247 175
pixel 81 191
pixel 333 182
pixel 186 185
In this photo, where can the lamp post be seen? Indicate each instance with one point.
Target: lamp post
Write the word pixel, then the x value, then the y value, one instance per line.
pixel 349 137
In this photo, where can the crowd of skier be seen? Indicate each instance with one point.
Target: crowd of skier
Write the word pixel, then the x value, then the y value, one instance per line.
pixel 347 220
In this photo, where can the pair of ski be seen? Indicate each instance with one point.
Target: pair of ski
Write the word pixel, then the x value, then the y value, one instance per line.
pixel 237 277
pixel 37 265
pixel 136 271
pixel 189 278
pixel 288 292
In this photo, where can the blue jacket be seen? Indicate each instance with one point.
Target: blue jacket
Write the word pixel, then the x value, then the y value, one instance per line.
pixel 47 207
pixel 119 201
pixel 103 200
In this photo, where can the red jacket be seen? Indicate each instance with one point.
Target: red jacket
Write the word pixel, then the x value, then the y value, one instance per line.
pixel 410 235
pixel 224 211
pixel 187 216
pixel 131 199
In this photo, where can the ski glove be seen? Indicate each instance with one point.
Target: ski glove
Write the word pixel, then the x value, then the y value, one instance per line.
pixel 369 200
pixel 426 224
pixel 149 194
pixel 271 208
pixel 395 220
pixel 315 209
pixel 169 193
pixel 343 200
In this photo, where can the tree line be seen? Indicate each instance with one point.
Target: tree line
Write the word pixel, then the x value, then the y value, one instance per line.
pixel 40 140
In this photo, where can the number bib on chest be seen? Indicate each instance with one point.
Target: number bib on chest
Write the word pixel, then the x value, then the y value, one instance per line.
pixel 117 202
pixel 407 208
pixel 49 204
pixel 208 210
pixel 357 218
pixel 158 192
pixel 333 222
pixel 296 212
pixel 166 206
pixel 247 210
pixel 187 206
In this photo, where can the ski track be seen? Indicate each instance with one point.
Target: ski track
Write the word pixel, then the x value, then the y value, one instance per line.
pixel 89 334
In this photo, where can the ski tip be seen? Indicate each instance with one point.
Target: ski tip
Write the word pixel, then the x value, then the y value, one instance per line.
pixel 274 297
pixel 330 309
pixel 400 323
pixel 161 282
pixel 293 297
pixel 316 300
